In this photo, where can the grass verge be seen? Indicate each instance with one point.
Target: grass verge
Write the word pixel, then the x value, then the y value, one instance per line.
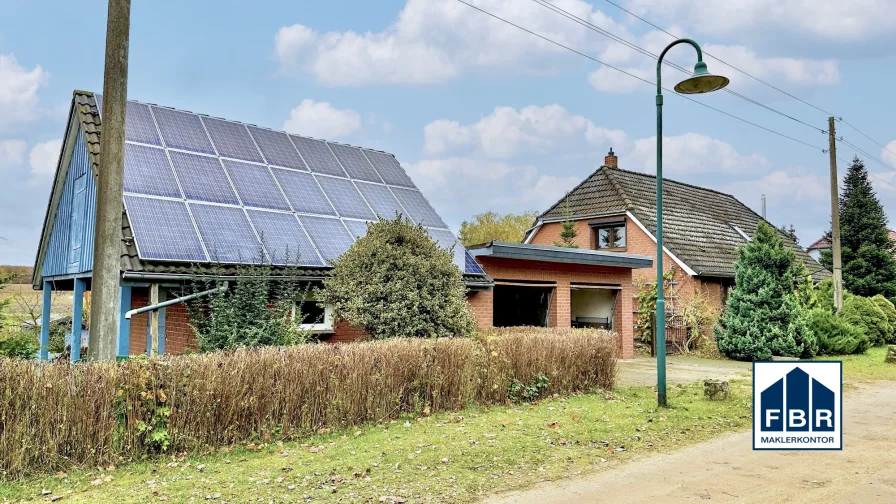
pixel 455 457
pixel 869 366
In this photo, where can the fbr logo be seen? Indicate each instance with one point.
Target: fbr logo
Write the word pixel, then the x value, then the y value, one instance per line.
pixel 797 405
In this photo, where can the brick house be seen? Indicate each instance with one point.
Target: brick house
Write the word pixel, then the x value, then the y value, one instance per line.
pixel 822 243
pixel 204 195
pixel 615 210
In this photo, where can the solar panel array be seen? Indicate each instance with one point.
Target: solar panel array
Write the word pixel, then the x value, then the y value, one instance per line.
pixel 201 189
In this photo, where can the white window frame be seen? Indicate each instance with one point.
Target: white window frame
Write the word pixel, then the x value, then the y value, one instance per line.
pixel 326 325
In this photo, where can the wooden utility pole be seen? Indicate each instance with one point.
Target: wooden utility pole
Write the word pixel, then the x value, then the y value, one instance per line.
pixel 106 252
pixel 835 218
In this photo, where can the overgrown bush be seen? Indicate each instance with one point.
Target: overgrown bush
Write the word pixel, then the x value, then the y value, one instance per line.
pixel 763 316
pixel 836 336
pixel 863 313
pixel 396 282
pixel 19 344
pixel 261 307
pixel 698 314
pixel 57 415
pixel 890 311
pixel 646 299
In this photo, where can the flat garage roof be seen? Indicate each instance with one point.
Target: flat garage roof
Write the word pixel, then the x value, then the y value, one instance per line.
pixel 531 252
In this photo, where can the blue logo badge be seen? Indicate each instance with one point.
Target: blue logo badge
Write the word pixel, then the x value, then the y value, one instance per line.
pixel 797 405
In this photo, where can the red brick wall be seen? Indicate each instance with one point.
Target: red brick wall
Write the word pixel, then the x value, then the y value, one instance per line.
pixel 179 336
pixel 563 274
pixel 139 323
pixel 482 305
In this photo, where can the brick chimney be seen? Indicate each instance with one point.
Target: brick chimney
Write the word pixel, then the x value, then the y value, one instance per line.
pixel 610 161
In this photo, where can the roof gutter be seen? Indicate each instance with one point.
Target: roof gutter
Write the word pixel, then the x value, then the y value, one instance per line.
pixel 163 304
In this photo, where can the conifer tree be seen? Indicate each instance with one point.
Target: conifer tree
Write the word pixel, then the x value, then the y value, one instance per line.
pixel 866 249
pixel 568 233
pixel 763 317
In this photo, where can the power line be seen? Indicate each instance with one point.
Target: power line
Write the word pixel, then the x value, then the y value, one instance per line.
pixel 797 98
pixel 844 121
pixel 641 50
pixel 558 44
pixel 878 161
pixel 720 60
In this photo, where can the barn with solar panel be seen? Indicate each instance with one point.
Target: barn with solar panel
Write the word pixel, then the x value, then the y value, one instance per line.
pixel 203 195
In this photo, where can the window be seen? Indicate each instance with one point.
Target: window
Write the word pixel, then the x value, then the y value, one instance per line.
pixel 611 237
pixel 313 315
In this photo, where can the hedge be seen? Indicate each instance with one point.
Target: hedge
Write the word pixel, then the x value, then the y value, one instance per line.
pixel 58 415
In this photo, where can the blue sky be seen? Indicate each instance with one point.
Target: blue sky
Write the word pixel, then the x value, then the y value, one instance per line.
pixel 482 115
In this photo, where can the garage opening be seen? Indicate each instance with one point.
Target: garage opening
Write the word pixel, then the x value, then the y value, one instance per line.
pixel 521 304
pixel 592 305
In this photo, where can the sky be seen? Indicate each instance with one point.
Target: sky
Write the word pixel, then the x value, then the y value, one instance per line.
pixel 482 115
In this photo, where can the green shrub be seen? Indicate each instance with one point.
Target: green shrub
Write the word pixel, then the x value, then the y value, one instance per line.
pixel 890 311
pixel 19 343
pixel 863 313
pixel 834 335
pixel 396 282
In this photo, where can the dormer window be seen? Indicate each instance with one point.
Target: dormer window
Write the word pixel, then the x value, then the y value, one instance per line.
pixel 610 237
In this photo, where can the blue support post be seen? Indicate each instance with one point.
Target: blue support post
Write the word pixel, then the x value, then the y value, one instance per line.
pixel 77 310
pixel 124 325
pixel 45 321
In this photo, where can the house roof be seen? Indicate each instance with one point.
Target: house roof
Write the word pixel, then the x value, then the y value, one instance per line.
pixel 820 244
pixel 702 227
pixel 547 253
pixel 85 114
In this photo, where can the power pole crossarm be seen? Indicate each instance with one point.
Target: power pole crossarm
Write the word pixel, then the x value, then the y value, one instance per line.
pixel 106 251
pixel 835 219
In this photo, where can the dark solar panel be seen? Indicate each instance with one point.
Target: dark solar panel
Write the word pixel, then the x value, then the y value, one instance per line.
pixel 318 156
pixel 277 148
pixel 255 185
pixel 387 166
pixel 381 200
pixel 471 266
pixel 139 126
pixel 356 228
pixel 446 239
pixel 227 234
pixel 232 140
pixel 163 229
pixel 147 171
pixel 419 209
pixel 284 239
pixel 202 178
pixel 329 235
pixel 182 130
pixel 345 197
pixel 303 192
pixel 355 163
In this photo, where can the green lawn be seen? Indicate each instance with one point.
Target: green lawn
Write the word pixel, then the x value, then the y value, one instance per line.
pixel 866 367
pixel 444 458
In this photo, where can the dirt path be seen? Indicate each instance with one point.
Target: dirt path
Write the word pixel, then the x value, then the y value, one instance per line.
pixel 728 470
pixel 641 371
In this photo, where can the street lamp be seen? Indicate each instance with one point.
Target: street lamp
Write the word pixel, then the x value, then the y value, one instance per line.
pixel 700 82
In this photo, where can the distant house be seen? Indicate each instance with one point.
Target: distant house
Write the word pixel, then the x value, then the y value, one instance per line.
pixel 615 210
pixel 822 243
pixel 203 195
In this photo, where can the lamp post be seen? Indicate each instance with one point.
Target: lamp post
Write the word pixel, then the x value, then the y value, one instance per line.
pixel 700 82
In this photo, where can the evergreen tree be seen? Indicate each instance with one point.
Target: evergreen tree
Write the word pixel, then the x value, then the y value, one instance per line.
pixel 568 233
pixel 763 317
pixel 865 245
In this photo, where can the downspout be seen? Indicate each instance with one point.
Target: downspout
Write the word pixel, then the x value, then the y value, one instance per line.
pixel 179 300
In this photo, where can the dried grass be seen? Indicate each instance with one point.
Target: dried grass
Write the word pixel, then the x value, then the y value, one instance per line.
pixel 54 416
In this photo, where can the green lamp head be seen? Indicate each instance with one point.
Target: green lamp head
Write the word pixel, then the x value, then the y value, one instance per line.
pixel 701 82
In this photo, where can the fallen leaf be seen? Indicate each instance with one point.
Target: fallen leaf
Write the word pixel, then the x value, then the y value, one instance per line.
pixel 576 417
pixel 554 425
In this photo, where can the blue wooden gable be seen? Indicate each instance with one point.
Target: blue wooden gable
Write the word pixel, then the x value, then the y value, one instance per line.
pixel 70 250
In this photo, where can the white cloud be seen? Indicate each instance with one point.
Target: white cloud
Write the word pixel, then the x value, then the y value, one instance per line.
pixel 508 132
pixel 322 120
pixel 44 157
pixel 794 71
pixel 785 188
pixel 437 40
pixel 838 21
pixel 12 153
pixel 18 91
pixel 691 153
pixel 888 153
